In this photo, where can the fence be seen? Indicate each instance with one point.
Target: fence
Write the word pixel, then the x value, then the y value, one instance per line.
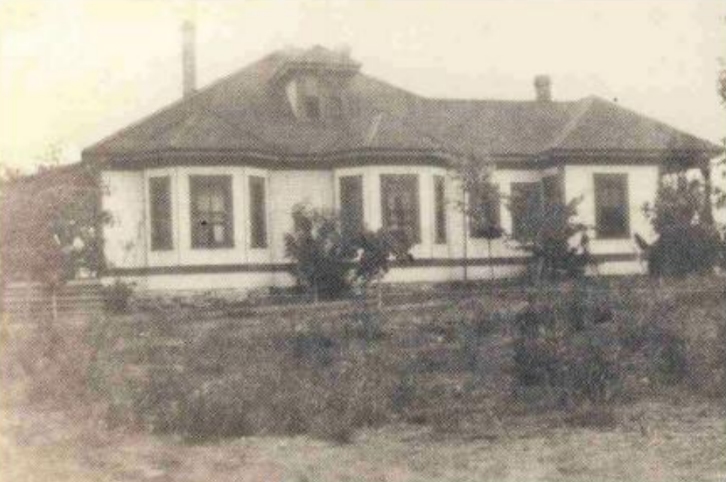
pixel 25 302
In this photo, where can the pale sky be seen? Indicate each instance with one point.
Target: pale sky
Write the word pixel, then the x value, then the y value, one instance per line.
pixel 74 71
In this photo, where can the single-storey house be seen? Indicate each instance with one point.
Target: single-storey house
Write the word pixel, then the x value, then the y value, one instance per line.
pixel 201 192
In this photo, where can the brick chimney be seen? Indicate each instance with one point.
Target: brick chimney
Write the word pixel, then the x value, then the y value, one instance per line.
pixel 543 88
pixel 189 67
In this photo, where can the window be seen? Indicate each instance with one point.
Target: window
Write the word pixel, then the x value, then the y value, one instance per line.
pixel 552 192
pixel 484 211
pixel 351 206
pixel 258 212
pixel 400 205
pixel 160 213
pixel 611 205
pixel 312 107
pixel 526 209
pixel 211 205
pixel 440 209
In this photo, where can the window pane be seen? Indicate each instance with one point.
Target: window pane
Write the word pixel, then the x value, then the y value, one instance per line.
pixel 258 213
pixel 312 107
pixel 211 201
pixel 160 213
pixel 612 205
pixel 552 190
pixel 485 210
pixel 526 209
pixel 440 207
pixel 351 205
pixel 400 205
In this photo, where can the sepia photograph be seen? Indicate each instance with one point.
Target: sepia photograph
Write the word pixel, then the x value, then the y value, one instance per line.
pixel 362 240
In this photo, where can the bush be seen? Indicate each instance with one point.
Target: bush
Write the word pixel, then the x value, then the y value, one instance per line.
pixel 328 263
pixel 687 243
pixel 684 250
pixel 576 365
pixel 117 296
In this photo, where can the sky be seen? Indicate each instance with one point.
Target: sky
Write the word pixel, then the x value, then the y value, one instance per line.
pixel 75 71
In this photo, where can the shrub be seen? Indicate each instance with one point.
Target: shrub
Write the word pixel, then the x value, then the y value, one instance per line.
pixel 548 236
pixel 328 263
pixel 670 363
pixel 117 296
pixel 577 365
pixel 687 241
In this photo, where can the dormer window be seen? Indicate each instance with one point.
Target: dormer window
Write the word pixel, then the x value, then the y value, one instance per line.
pixel 315 82
pixel 312 107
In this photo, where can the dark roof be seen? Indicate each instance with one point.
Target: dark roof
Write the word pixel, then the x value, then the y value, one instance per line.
pixel 248 112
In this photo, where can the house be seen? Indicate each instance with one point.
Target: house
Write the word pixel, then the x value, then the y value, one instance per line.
pixel 201 192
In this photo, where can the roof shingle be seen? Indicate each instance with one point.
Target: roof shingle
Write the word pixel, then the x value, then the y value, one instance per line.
pixel 247 111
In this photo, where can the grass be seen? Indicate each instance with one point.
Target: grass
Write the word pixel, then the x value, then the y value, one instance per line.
pixel 423 391
pixel 654 441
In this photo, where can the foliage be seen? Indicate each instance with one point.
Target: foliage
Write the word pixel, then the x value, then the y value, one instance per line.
pixel 51 225
pixel 686 243
pixel 569 357
pixel 321 255
pixel 548 237
pixel 117 296
pixel 329 264
pixel 475 171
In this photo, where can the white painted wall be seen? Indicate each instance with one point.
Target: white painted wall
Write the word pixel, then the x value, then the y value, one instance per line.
pixel 287 189
pixel 123 199
pixel 127 238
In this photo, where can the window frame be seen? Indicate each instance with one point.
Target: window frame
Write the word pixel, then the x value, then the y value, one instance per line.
pixel 155 244
pixel 198 183
pixel 258 225
pixel 599 179
pixel 388 184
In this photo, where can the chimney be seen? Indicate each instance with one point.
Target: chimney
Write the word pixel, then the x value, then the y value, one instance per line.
pixel 189 67
pixel 543 88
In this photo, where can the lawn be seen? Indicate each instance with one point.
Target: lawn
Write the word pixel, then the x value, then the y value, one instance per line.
pixel 336 372
pixel 654 441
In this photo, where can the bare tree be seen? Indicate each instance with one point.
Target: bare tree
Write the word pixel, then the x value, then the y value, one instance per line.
pixel 480 197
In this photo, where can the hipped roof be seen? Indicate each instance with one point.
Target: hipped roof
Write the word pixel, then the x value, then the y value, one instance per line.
pixel 248 112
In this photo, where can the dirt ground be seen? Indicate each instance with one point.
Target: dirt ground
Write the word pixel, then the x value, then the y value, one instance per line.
pixel 652 442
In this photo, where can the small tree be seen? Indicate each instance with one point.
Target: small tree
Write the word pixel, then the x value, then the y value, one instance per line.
pixel 50 226
pixel 321 255
pixel 686 242
pixel 548 236
pixel 328 263
pixel 481 198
